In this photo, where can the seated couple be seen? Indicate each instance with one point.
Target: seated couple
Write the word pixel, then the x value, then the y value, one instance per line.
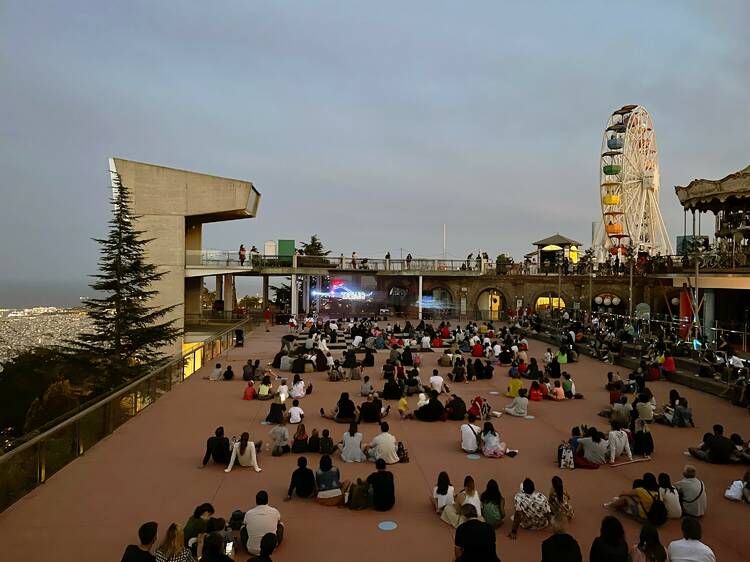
pixel 474 439
pixel 242 452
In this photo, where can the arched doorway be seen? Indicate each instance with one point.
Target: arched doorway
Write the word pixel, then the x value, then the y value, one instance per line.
pixel 398 299
pixel 548 302
pixel 438 302
pixel 490 305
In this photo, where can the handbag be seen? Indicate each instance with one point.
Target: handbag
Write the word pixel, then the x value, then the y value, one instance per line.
pixel 734 491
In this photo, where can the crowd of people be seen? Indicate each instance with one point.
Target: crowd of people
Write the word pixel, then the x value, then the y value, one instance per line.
pixel 476 351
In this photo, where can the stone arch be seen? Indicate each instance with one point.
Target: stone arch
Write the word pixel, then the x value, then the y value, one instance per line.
pixel 566 298
pixel 489 311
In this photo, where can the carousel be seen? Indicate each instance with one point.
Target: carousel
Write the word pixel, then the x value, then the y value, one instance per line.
pixel 729 200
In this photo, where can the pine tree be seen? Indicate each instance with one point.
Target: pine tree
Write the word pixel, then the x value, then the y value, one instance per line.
pixel 128 335
pixel 314 247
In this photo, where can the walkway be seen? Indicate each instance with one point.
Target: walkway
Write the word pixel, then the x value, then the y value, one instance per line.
pixel 148 470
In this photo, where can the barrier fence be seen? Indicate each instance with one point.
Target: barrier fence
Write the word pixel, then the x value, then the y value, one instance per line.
pixel 36 456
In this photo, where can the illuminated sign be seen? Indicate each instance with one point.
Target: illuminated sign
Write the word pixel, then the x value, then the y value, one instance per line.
pixel 339 291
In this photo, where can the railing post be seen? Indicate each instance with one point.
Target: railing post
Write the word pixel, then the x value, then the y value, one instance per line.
pixel 294 261
pixel 77 434
pixel 41 462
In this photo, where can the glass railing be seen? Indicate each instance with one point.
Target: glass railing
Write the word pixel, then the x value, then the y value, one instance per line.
pixel 36 456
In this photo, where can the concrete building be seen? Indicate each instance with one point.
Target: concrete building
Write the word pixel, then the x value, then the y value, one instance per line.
pixel 172 206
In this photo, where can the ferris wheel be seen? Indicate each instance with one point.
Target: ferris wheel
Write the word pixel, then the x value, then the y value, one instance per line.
pixel 629 185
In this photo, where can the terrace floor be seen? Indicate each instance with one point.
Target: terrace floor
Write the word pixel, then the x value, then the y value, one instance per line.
pixel 148 470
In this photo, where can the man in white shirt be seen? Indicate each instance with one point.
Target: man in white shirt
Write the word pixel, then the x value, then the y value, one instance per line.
pixel 216 373
pixel 470 435
pixel 357 341
pixel 497 349
pixel 618 443
pixel 690 548
pixel 260 520
pixel 426 343
pixel 436 381
pixel 383 446
pixel 295 412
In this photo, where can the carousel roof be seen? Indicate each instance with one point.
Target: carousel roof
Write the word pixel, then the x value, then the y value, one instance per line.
pixel 557 240
pixel 714 195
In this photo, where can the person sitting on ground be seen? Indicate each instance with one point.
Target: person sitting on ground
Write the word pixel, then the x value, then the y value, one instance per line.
pixel 197 524
pixel 326 446
pixel 265 390
pixel 475 539
pixel 217 448
pixel 470 440
pixel 692 491
pixel 610 545
pixel 637 502
pixel 392 390
pixel 295 414
pixel 352 445
pixel 690 548
pixel 557 392
pixel 413 384
pixel 535 392
pixel 228 374
pixel 369 359
pixel 371 411
pixel 618 443
pixel 383 446
pixel 259 521
pixel 437 383
pixel 592 450
pixel 244 453
pixel 382 487
pixel 365 389
pixel 331 491
pixel 250 392
pixel 432 411
pixel 669 496
pixel 560 546
pixel 614 380
pixel 276 411
pixel 532 372
pixel 298 388
pixel 649 547
pixel 559 500
pixel 716 448
pixel 344 411
pixel 279 439
pixel 442 493
pixel 492 447
pixel 455 408
pixel 568 386
pixel 299 440
pixel 493 504
pixel 214 547
pixel 303 481
pixel 215 373
pixel 520 405
pixel 141 552
pixel 172 548
pixel 621 412
pixel 468 496
pixel 514 385
pixel 532 510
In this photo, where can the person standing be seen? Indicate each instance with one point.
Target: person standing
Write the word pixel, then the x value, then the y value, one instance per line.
pixel 382 487
pixel 242 254
pixel 690 548
pixel 408 261
pixel 354 260
pixel 141 552
pixel 267 316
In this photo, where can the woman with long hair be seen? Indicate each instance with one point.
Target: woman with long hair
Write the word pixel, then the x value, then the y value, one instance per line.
pixel 649 547
pixel 172 548
pixel 244 453
pixel 442 494
pixel 669 496
pixel 610 545
pixel 299 441
pixel 559 500
pixel 351 450
pixel 331 491
pixel 298 387
pixel 493 504
pixel 491 445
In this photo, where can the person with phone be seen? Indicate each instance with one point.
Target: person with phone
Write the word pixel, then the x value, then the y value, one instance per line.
pixel 216 550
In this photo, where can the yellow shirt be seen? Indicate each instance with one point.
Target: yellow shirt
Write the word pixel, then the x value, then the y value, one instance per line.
pixel 403 404
pixel 645 500
pixel 514 385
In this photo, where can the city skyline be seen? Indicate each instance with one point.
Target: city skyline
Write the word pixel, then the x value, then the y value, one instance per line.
pixel 371 127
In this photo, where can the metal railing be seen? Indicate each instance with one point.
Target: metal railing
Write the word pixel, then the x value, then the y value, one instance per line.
pixel 38 455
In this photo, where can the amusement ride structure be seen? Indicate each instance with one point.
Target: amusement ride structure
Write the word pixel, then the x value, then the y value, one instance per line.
pixel 629 186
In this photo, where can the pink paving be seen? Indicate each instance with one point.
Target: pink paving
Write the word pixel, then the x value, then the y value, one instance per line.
pixel 148 470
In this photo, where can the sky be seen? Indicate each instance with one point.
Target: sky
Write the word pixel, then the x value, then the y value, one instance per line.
pixel 371 124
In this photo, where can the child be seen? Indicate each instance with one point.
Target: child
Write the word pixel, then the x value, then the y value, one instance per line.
pixel 313 443
pixel 568 386
pixel 403 408
pixel 547 357
pixel 250 391
pixel 283 390
pixel 295 412
pixel 365 388
pixel 326 444
pixel 514 385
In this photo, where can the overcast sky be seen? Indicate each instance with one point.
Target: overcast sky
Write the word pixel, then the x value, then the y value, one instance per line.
pixel 369 123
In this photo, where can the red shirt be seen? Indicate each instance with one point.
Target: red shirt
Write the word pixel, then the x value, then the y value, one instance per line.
pixel 669 365
pixel 267 315
pixel 250 393
pixel 477 350
pixel 445 332
pixel 536 395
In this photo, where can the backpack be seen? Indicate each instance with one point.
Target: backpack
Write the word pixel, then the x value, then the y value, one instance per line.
pixel 403 454
pixel 359 495
pixel 485 410
pixel 565 456
pixel 236 519
pixel 657 515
